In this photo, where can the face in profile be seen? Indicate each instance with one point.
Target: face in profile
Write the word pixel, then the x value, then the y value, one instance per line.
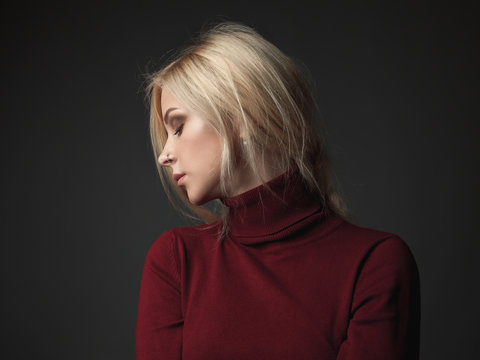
pixel 194 150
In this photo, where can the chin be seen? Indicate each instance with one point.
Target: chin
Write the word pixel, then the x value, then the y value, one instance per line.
pixel 195 200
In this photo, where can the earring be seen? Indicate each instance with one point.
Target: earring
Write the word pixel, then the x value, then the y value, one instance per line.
pixel 165 158
pixel 244 141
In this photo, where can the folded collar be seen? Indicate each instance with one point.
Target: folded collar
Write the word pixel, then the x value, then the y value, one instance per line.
pixel 257 215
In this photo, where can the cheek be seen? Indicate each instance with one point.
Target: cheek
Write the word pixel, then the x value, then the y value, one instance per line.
pixel 204 149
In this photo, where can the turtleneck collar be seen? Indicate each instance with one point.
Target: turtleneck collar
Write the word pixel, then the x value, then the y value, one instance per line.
pixel 257 215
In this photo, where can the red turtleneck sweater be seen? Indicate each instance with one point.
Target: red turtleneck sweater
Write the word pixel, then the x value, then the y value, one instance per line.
pixel 290 282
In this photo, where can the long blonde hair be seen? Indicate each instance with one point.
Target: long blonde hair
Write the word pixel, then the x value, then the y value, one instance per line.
pixel 246 88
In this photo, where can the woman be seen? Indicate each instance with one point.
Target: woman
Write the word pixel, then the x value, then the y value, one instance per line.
pixel 280 273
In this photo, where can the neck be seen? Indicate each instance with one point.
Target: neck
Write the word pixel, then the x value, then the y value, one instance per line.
pixel 246 179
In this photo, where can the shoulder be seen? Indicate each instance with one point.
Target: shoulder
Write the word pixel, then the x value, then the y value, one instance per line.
pixel 174 240
pixel 365 246
pixel 377 250
pixel 160 256
pixel 356 236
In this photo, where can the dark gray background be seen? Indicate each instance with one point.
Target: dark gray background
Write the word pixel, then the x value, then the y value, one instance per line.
pixel 81 201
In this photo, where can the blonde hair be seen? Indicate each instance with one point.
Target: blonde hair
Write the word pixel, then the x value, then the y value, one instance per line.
pixel 244 85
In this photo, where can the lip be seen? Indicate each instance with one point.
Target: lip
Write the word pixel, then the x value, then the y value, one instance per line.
pixel 178 178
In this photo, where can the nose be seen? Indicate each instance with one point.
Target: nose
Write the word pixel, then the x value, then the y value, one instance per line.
pixel 166 159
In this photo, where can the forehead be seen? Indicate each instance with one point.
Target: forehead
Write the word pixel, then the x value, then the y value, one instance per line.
pixel 168 101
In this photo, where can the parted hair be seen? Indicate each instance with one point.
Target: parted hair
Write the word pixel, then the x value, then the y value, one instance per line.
pixel 246 89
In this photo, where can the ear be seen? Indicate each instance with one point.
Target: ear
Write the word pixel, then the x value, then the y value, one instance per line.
pixel 244 138
pixel 244 134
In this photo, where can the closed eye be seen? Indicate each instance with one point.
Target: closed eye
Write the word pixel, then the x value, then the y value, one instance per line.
pixel 179 130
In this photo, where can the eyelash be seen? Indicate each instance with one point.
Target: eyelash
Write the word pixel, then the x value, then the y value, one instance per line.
pixel 179 130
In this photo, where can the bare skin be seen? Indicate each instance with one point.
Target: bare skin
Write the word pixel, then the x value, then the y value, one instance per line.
pixel 195 149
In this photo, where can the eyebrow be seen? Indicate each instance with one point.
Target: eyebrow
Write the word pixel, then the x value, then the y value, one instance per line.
pixel 165 117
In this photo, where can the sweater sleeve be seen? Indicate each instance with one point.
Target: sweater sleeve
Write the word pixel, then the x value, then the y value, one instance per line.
pixel 160 320
pixel 385 313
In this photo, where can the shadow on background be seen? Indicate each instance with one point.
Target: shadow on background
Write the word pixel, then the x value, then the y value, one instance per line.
pixel 81 202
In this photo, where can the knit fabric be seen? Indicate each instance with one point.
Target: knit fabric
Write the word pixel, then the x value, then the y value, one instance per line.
pixel 291 281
